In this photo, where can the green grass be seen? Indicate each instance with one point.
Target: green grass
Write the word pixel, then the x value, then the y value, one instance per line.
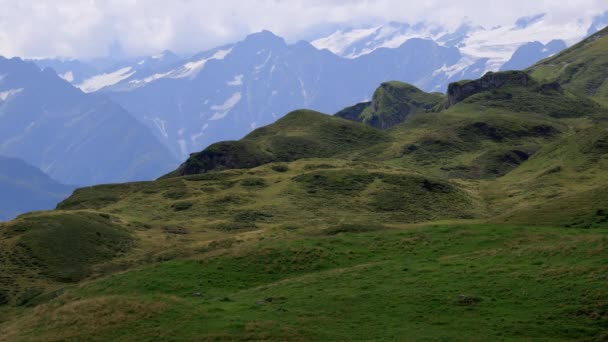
pixel 299 134
pixel 321 189
pixel 457 282
pixel 581 68
pixel 60 248
pixel 391 104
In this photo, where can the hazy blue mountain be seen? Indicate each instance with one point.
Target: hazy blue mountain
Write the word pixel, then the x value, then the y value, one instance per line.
pixel 599 22
pixel 226 92
pixel 24 188
pixel 524 22
pixel 74 137
pixel 71 70
pixel 94 74
pixel 528 54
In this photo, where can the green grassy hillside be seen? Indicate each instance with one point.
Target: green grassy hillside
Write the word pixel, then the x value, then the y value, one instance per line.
pixel 480 215
pixel 392 103
pixel 456 282
pixel 582 69
pixel 299 134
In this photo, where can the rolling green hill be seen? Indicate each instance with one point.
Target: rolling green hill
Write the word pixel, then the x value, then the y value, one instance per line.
pixel 299 134
pixel 478 215
pixel 392 103
pixel 582 69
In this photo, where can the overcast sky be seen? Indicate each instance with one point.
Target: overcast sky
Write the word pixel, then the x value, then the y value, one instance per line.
pixel 86 28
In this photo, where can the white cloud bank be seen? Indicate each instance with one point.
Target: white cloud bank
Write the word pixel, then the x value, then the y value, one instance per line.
pixel 79 28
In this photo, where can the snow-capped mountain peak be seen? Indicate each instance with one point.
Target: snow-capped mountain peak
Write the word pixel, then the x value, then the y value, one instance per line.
pixel 357 42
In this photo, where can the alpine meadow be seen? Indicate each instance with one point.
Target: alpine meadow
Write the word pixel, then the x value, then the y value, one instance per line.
pixel 475 214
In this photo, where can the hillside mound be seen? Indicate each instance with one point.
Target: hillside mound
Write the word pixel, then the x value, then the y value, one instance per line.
pixel 392 103
pixel 582 69
pixel 299 134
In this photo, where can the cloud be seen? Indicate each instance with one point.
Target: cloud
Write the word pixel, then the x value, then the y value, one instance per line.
pixel 87 28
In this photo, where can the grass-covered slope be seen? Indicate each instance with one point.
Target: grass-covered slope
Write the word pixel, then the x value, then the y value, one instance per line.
pixel 109 227
pixel 515 91
pixel 299 134
pixel 324 190
pixel 391 104
pixel 583 68
pixel 563 184
pixel 39 251
pixel 457 282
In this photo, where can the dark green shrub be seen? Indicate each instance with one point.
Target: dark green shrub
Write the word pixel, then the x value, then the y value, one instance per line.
pixel 253 182
pixel 353 228
pixel 280 168
pixel 176 230
pixel 236 225
pixel 175 194
pixel 180 206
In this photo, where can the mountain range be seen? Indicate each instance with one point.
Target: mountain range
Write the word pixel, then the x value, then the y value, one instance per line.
pixel 226 92
pixel 158 109
pixel 75 138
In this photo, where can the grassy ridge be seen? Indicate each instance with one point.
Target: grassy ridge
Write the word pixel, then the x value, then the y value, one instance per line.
pixel 40 250
pixel 391 104
pixel 299 134
pixel 582 68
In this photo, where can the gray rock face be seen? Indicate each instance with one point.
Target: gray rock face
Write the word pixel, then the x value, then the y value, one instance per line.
pixel 461 90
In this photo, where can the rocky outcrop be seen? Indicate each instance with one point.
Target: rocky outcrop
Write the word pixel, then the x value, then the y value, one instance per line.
pixel 491 80
pixel 222 155
pixel 393 102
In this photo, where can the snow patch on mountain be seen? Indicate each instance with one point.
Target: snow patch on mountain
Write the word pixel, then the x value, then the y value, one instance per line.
pixel 68 76
pixel 497 44
pixel 7 94
pixel 191 69
pixel 359 42
pixel 261 66
pixel 341 40
pixel 236 81
pixel 452 70
pixel 150 78
pixel 223 109
pixel 162 126
pixel 303 91
pixel 195 137
pixel 104 80
pixel 500 43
